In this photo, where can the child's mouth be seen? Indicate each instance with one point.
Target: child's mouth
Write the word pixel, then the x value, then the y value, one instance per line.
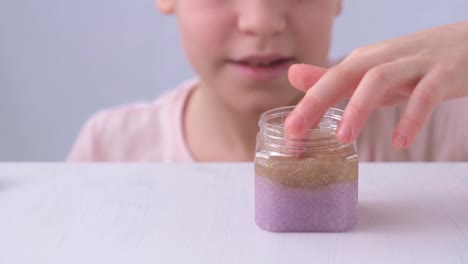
pixel 261 68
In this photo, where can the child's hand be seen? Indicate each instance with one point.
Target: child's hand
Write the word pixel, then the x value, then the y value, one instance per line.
pixel 422 69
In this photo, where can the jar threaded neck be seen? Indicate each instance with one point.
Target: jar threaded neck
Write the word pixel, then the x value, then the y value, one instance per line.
pixel 320 139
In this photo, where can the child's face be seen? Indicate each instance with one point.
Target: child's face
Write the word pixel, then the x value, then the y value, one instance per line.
pixel 242 49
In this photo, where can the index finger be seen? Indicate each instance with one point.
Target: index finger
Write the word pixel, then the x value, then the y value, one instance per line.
pixel 334 85
pixel 303 76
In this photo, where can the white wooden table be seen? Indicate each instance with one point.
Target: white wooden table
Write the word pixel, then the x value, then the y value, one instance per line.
pixel 202 213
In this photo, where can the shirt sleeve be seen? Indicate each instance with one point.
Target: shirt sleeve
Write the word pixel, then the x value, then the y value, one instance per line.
pixel 86 147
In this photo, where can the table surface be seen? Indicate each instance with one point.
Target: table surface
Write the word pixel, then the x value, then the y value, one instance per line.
pixel 204 213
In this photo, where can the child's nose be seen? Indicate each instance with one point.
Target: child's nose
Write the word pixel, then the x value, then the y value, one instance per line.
pixel 261 17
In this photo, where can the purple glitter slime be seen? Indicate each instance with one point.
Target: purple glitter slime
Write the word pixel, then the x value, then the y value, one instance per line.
pixel 280 208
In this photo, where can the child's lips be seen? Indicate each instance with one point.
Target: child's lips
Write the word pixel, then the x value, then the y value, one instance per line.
pixel 261 69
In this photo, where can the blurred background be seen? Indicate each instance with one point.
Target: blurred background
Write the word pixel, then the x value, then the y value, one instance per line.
pixel 61 60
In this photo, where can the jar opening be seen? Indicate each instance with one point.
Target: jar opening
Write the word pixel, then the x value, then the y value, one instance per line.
pixel 323 137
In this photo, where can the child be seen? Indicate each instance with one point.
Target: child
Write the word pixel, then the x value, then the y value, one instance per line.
pixel 242 50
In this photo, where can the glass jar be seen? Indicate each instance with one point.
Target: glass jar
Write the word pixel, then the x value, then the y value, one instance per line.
pixel 307 183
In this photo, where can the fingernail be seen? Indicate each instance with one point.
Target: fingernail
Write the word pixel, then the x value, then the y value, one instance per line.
pixel 344 132
pixel 294 123
pixel 399 140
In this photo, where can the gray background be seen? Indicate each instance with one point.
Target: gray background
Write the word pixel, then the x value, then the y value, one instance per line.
pixel 61 60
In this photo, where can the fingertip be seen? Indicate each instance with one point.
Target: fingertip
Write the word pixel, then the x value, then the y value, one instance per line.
pixel 295 73
pixel 307 69
pixel 294 123
pixel 400 141
pixel 344 133
pixel 303 76
pixel 294 68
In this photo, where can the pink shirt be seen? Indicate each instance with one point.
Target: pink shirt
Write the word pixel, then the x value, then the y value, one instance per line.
pixel 153 132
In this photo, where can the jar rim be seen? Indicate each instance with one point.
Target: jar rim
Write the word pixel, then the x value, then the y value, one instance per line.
pixel 273 133
pixel 333 113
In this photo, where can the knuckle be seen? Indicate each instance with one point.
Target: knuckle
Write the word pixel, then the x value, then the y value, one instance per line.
pixel 312 101
pixel 411 122
pixel 378 75
pixel 357 52
pixel 425 96
pixel 355 109
pixel 444 71
pixel 343 69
